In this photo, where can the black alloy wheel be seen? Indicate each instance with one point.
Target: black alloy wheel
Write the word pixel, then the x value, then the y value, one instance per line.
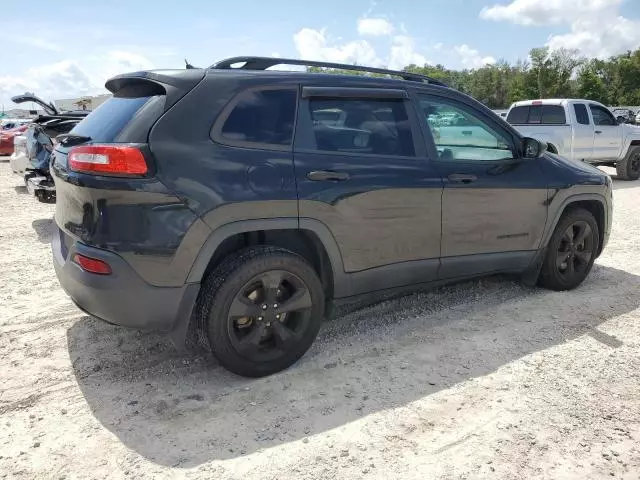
pixel 571 251
pixel 634 164
pixel 629 167
pixel 260 310
pixel 575 250
pixel 268 315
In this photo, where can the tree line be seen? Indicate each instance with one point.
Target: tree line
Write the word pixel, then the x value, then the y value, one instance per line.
pixel 546 74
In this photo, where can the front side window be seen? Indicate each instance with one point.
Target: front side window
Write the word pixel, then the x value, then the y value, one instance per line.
pixel 602 116
pixel 361 126
pixel 261 117
pixel 460 135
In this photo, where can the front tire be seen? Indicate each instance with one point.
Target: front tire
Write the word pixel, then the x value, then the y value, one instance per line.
pixel 571 251
pixel 260 309
pixel 629 167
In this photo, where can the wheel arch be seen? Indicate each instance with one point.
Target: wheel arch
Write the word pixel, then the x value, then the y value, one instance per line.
pixel 593 203
pixel 308 238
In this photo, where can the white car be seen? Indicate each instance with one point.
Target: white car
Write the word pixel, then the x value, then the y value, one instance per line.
pixel 580 130
pixel 19 159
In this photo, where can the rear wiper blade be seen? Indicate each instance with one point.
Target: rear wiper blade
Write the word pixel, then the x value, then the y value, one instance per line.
pixel 72 139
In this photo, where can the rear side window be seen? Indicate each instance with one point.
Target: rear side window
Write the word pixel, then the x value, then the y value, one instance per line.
pixel 362 125
pixel 260 118
pixel 537 114
pixel 582 116
pixel 113 121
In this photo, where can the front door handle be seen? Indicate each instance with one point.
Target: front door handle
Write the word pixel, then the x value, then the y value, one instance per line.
pixel 462 178
pixel 327 176
pixel 598 132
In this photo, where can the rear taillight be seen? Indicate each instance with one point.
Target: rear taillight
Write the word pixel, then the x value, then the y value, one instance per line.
pixel 92 265
pixel 108 160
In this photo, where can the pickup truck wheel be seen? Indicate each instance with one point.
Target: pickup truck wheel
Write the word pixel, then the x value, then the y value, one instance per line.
pixel 571 251
pixel 261 310
pixel 629 167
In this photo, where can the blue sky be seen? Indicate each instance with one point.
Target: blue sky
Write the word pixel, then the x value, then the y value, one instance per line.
pixel 106 38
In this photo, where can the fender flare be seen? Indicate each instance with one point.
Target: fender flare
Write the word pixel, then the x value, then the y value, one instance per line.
pixel 219 235
pixel 580 197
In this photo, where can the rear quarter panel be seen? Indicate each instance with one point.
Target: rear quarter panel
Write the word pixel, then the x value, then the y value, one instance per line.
pixel 139 219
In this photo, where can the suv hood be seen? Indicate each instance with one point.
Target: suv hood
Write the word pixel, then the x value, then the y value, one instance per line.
pixel 49 108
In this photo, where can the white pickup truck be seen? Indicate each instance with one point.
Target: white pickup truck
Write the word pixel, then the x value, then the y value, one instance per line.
pixel 581 130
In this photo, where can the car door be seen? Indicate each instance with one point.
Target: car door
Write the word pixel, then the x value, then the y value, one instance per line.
pixel 494 201
pixel 583 133
pixel 607 141
pixel 361 171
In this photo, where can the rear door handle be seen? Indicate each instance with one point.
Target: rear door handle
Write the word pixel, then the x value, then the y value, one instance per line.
pixel 598 132
pixel 462 178
pixel 327 176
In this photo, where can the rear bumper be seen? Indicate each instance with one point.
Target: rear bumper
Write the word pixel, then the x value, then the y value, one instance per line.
pixel 121 298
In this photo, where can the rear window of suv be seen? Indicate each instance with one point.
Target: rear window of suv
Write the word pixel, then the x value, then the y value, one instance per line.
pixel 112 121
pixel 537 114
pixel 259 119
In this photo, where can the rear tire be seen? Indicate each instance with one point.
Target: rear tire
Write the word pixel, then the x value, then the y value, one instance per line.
pixel 629 167
pixel 260 310
pixel 571 251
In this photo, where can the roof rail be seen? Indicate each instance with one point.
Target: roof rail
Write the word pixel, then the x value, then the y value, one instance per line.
pixel 262 63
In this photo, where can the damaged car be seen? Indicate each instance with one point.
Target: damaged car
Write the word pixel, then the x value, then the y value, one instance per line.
pixel 40 140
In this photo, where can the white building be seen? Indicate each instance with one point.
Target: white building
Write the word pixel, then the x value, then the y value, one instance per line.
pixel 81 103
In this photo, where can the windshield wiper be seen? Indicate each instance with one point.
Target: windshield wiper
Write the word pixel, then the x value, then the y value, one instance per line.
pixel 72 139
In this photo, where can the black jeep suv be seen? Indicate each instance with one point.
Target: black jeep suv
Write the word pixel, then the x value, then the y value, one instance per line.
pixel 251 202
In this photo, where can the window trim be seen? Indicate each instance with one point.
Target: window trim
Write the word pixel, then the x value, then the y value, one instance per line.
pixel 431 144
pixel 354 92
pixel 591 105
pixel 305 142
pixel 216 131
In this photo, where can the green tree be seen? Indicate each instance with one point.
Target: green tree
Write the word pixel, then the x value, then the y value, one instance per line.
pixel 548 73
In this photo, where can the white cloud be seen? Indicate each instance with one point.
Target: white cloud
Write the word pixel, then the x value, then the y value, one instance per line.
pixel 403 53
pixel 596 27
pixel 375 27
pixel 402 48
pixel 314 45
pixel 471 58
pixel 548 12
pixel 68 79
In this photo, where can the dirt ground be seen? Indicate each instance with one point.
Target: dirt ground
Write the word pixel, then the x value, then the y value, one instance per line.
pixel 487 379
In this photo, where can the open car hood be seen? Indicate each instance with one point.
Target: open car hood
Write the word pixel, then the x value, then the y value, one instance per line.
pixel 49 108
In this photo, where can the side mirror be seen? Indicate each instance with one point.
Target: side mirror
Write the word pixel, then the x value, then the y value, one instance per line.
pixel 621 120
pixel 533 148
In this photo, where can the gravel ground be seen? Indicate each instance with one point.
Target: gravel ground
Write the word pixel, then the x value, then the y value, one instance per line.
pixel 486 379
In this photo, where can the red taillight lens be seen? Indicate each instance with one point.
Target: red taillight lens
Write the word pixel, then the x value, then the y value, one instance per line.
pixel 92 265
pixel 108 160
